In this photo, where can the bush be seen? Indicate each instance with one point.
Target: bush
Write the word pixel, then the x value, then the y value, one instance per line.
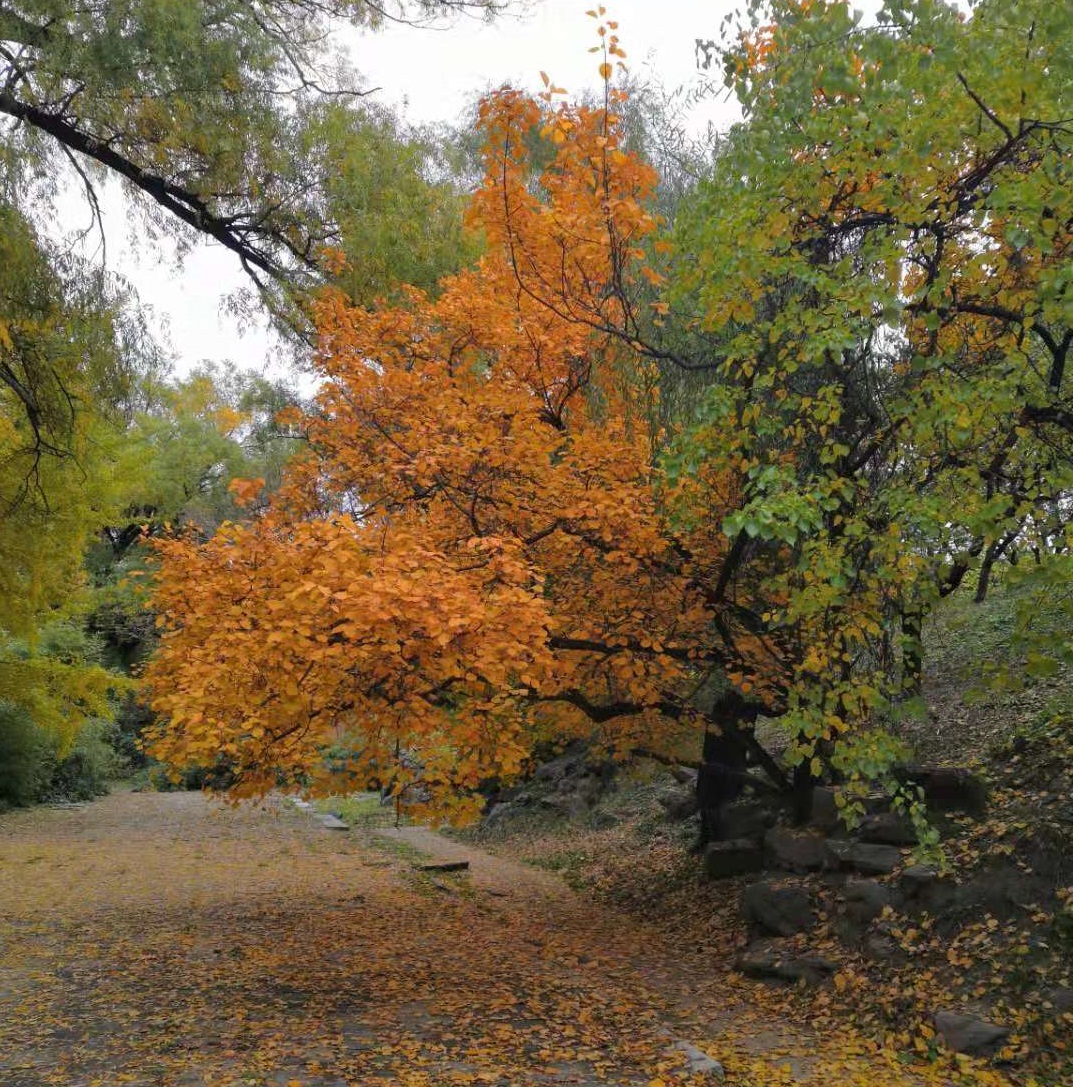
pixel 32 769
pixel 87 768
pixel 132 718
pixel 27 758
pixel 217 778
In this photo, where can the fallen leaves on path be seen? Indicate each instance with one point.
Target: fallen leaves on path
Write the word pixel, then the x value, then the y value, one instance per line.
pixel 157 939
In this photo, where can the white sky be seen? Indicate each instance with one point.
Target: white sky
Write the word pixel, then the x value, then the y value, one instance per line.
pixel 430 75
pixel 433 74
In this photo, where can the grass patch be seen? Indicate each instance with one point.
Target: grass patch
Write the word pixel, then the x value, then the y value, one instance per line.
pixel 403 851
pixel 570 864
pixel 361 810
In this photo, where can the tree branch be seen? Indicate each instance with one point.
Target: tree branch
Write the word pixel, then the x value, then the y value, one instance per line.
pixel 183 204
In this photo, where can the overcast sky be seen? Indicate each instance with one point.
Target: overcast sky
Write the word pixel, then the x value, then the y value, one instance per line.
pixel 430 75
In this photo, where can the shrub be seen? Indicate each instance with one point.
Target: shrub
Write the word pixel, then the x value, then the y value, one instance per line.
pixel 32 769
pixel 132 718
pixel 217 778
pixel 84 772
pixel 27 758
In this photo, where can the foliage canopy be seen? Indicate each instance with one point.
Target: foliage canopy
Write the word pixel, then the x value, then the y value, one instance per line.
pixel 228 118
pixel 499 533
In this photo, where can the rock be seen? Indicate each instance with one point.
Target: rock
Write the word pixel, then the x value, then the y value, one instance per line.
pixel 500 814
pixel 589 787
pixel 778 910
pixel 333 822
pixel 799 852
pixel 568 764
pixel 746 820
pixel 679 804
pixel 880 947
pixel 865 899
pixel 862 857
pixel 603 820
pixel 1061 999
pixel 568 805
pixel 917 878
pixel 284 1076
pixel 684 775
pixel 888 828
pixel 697 1062
pixel 734 858
pixel 824 814
pixel 924 889
pixel 876 803
pixel 767 962
pixel 967 1034
pixel 947 788
pixel 834 850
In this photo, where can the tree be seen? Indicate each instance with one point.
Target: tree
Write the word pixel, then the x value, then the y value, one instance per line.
pixel 396 197
pixel 189 439
pixel 474 554
pixel 498 529
pixel 66 355
pixel 230 120
pixel 227 118
pixel 884 250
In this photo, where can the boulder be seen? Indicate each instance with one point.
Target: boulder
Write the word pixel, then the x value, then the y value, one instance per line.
pixel 865 899
pixel 568 805
pixel 684 775
pixel 924 889
pixel 679 804
pixel 876 802
pixel 603 820
pixel 1061 999
pixel 824 814
pixel 746 820
pixel 500 814
pixel 917 878
pixel 778 910
pixel 824 811
pixel 796 851
pixel 880 947
pixel 968 1034
pixel 697 1062
pixel 864 857
pixel 888 828
pixel 589 787
pixel 767 962
pixel 739 856
pixel 947 788
pixel 834 851
pixel 570 763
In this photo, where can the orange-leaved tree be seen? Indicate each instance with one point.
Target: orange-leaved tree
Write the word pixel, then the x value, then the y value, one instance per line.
pixel 477 551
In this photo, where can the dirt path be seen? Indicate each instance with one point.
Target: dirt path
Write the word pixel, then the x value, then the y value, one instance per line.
pixel 160 939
